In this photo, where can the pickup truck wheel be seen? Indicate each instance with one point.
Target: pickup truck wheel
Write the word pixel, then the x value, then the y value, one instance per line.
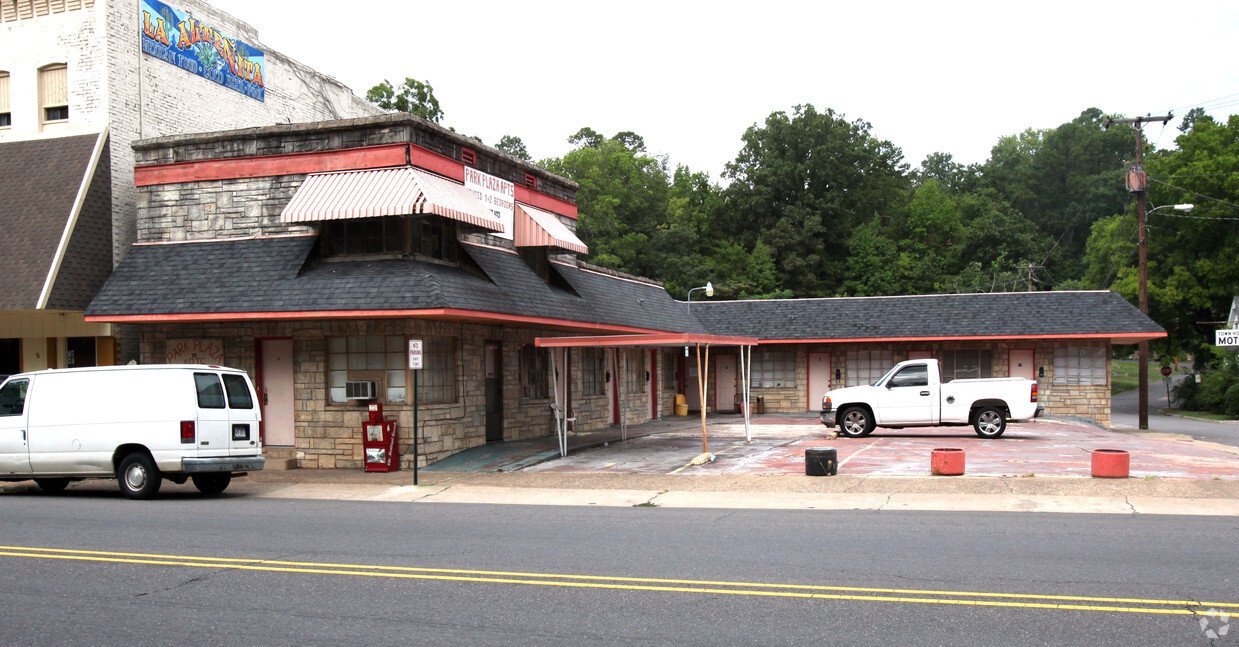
pixel 855 422
pixel 52 486
pixel 212 483
pixel 989 422
pixel 138 476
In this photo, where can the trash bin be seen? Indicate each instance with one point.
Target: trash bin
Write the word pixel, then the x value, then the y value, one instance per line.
pixel 821 461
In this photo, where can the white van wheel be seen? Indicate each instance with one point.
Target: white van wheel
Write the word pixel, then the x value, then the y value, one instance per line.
pixel 138 476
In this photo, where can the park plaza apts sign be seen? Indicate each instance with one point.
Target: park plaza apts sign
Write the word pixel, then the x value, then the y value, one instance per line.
pixel 497 194
pixel 199 48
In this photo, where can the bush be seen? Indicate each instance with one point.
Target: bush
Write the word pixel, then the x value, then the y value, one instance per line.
pixel 1186 394
pixel 1230 401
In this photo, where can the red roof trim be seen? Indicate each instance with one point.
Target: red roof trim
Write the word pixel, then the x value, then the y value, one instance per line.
pixel 1130 338
pixel 349 159
pixel 652 339
pixel 427 313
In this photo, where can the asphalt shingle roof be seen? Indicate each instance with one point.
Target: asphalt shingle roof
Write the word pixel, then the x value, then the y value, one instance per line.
pixel 265 275
pixel 39 185
pixel 934 316
pixel 262 275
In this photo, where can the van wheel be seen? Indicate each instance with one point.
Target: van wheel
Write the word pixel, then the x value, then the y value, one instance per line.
pixel 855 422
pixel 212 483
pixel 52 486
pixel 989 422
pixel 138 476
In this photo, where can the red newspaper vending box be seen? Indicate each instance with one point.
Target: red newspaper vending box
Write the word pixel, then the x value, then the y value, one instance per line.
pixel 379 442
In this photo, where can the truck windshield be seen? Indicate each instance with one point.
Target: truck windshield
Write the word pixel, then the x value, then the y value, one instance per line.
pixel 884 377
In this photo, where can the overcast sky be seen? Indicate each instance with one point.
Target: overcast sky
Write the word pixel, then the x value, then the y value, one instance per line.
pixel 690 77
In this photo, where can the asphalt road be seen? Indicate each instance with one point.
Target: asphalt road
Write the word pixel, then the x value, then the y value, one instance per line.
pixel 1125 408
pixel 94 569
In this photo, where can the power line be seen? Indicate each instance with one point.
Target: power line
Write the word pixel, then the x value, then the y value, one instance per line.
pixel 1199 195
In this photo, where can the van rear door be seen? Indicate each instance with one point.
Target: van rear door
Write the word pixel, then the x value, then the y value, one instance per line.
pixel 14 446
pixel 212 424
pixel 243 415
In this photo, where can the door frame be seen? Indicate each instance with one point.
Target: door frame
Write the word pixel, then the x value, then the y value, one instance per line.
pixel 260 386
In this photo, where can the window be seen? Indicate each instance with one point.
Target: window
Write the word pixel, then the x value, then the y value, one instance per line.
pixel 437 381
pixel 6 117
pixel 13 398
pixel 773 368
pixel 238 392
pixel 434 238
pixel 634 372
pixel 866 366
pixel 1080 366
pixel 915 375
pixel 670 371
pixel 593 363
pixel 362 236
pixel 54 93
pixel 10 357
pixel 533 372
pixel 379 358
pixel 210 393
pixel 966 364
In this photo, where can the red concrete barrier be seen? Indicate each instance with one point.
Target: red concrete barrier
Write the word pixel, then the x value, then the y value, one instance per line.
pixel 947 461
pixel 1111 463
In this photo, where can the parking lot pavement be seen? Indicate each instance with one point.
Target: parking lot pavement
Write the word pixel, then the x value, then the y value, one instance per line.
pixel 1042 448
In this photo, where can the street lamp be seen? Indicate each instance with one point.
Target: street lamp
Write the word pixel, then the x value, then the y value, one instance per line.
pixel 708 287
pixel 1142 354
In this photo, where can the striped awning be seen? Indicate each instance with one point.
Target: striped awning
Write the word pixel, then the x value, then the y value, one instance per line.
pixel 385 192
pixel 537 228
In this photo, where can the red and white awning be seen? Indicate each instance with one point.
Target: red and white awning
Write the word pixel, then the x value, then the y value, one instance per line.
pixel 385 192
pixel 537 228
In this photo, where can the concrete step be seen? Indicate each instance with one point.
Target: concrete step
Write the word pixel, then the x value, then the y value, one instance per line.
pixel 280 458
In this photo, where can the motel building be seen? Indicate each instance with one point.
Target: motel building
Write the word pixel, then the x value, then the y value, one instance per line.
pixel 80 81
pixel 312 254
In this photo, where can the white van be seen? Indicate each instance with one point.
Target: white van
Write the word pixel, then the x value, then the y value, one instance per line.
pixel 137 424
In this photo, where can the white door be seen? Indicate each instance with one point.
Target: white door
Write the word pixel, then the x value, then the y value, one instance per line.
pixel 277 392
pixel 14 450
pixel 819 380
pixel 908 398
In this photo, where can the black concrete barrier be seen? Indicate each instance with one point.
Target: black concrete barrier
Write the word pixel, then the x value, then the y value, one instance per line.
pixel 821 461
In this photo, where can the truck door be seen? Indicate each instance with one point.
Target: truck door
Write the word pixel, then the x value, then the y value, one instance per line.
pixel 908 397
pixel 211 432
pixel 242 415
pixel 14 448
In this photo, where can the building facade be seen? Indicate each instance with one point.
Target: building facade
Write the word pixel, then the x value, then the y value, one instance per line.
pixel 312 255
pixel 115 71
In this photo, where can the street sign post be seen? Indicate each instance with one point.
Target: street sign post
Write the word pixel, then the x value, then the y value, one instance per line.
pixel 415 364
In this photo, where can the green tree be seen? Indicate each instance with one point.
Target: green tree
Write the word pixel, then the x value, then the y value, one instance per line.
pixel 412 96
pixel 513 146
pixel 800 184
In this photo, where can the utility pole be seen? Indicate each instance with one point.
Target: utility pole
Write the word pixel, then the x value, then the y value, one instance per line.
pixel 1136 183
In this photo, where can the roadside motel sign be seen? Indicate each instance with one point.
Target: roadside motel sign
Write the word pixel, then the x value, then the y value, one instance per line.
pixel 1227 337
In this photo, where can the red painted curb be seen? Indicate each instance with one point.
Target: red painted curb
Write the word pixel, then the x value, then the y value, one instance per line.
pixel 1111 463
pixel 947 461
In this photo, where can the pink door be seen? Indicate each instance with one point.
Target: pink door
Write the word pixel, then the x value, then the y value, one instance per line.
pixel 725 386
pixel 819 380
pixel 1021 364
pixel 276 392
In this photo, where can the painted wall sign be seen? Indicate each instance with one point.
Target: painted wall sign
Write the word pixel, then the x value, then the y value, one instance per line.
pixel 497 194
pixel 195 351
pixel 197 47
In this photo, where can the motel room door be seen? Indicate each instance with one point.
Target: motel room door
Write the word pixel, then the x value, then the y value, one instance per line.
pixel 725 383
pixel 277 392
pixel 819 380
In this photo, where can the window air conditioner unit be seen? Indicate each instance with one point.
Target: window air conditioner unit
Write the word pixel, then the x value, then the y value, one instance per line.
pixel 360 389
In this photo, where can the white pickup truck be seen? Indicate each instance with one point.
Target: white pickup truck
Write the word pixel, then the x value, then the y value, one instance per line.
pixel 912 394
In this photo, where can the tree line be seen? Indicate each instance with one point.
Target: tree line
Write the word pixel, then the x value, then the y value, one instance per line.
pixel 816 205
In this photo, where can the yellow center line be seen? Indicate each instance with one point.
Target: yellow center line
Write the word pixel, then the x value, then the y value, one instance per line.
pixel 630 583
